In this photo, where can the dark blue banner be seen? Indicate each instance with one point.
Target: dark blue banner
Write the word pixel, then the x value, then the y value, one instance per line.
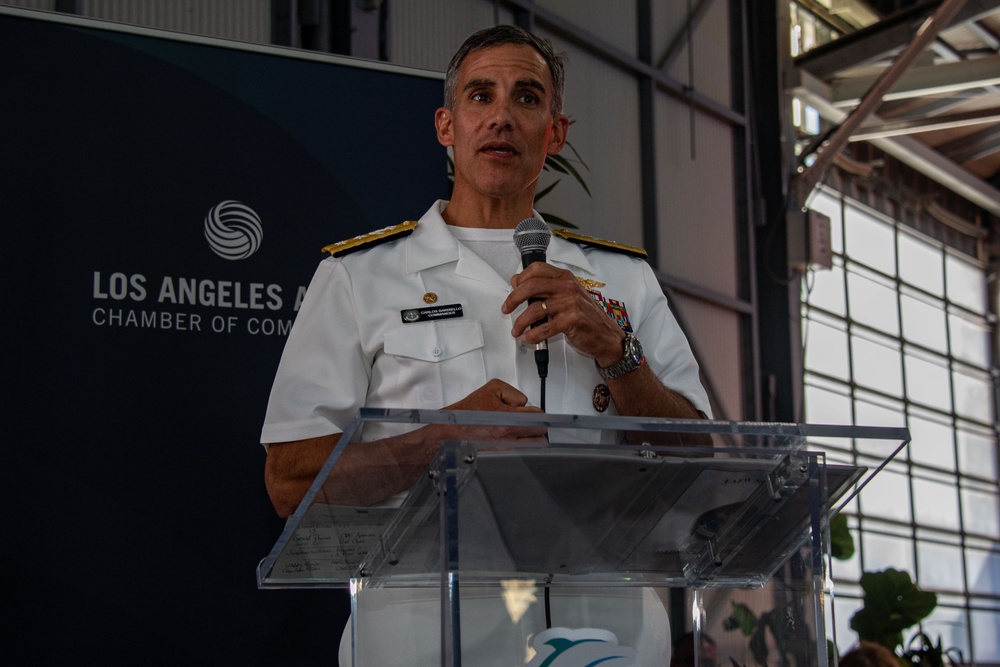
pixel 164 204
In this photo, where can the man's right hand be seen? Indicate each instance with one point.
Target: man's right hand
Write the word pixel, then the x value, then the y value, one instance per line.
pixel 370 472
pixel 494 396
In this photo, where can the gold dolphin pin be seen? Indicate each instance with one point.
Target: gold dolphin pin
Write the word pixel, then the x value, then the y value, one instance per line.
pixel 587 283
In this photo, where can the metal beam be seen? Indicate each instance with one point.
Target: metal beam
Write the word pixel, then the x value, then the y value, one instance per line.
pixel 895 128
pixel 984 34
pixel 806 179
pixel 647 134
pixel 824 14
pixel 882 38
pixel 626 61
pixel 920 107
pixel 972 146
pixel 923 81
pixel 907 150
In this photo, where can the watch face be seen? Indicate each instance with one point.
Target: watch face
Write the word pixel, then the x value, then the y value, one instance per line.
pixel 632 358
pixel 633 350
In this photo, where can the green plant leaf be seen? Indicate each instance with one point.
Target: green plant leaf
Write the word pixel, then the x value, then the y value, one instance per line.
pixel 893 603
pixel 577 156
pixel 925 653
pixel 545 191
pixel 564 166
pixel 741 618
pixel 554 219
pixel 555 163
pixel 758 640
pixel 841 540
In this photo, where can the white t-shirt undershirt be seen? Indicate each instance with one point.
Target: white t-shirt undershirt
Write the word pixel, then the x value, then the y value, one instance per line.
pixel 494 246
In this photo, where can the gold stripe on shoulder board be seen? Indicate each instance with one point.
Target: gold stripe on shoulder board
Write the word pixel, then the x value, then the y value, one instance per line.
pixel 370 239
pixel 600 243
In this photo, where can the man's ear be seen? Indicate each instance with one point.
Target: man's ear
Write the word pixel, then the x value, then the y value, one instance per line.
pixel 442 123
pixel 557 139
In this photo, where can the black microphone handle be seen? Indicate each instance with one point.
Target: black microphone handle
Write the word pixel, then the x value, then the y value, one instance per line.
pixel 530 257
pixel 527 259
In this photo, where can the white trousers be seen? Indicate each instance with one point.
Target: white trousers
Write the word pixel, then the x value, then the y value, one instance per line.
pixel 402 627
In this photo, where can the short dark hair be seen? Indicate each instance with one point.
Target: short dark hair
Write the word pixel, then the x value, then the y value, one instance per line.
pixel 508 34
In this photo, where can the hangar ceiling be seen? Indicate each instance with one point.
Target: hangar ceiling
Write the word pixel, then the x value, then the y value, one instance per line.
pixel 941 114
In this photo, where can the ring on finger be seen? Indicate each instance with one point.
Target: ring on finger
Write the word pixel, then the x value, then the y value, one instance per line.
pixel 544 307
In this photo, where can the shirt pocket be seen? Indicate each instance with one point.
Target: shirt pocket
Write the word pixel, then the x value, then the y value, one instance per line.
pixel 431 364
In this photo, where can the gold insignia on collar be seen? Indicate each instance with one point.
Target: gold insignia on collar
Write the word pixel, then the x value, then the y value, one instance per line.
pixel 587 283
pixel 430 297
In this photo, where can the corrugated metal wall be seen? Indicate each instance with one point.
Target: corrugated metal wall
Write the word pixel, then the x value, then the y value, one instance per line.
pixel 243 20
pixel 43 5
pixel 425 34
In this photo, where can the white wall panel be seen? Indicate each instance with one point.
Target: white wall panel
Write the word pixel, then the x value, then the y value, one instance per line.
pixel 696 197
pixel 668 25
pixel 709 48
pixel 604 107
pixel 613 23
pixel 714 333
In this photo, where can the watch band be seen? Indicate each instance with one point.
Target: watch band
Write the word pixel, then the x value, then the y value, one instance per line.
pixel 632 359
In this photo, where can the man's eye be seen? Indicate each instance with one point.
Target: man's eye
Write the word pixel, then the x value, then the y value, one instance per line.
pixel 529 98
pixel 480 97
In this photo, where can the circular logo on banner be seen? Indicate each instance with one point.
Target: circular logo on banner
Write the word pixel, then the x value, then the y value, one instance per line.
pixel 233 230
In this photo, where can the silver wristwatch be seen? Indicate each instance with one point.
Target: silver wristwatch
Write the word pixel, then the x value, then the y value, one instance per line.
pixel 633 358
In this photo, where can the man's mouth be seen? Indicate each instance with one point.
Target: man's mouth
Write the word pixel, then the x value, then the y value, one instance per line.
pixel 500 148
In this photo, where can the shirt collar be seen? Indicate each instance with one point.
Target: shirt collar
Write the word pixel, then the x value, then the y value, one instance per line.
pixel 431 244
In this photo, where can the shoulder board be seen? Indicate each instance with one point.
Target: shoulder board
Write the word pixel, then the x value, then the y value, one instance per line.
pixel 370 239
pixel 600 243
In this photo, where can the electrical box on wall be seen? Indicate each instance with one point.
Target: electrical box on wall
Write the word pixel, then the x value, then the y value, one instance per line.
pixel 820 251
pixel 808 241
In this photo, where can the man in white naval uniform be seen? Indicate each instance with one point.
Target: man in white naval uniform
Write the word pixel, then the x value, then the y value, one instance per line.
pixel 436 314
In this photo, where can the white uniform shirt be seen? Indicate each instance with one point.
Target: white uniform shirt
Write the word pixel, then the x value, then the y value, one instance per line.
pixel 349 346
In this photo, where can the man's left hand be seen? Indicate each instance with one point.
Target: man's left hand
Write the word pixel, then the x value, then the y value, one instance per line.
pixel 570 311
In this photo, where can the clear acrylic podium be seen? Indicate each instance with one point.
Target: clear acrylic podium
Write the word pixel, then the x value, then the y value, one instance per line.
pixel 733 514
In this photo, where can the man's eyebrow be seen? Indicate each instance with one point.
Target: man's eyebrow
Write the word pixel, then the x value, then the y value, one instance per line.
pixel 479 83
pixel 530 83
pixel 534 84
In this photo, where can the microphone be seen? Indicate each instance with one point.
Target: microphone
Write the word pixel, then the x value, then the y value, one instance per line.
pixel 531 236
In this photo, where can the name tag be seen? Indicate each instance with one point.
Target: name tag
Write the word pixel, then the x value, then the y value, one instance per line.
pixel 411 315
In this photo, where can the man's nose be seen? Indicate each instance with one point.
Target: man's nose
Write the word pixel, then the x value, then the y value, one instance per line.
pixel 502 116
